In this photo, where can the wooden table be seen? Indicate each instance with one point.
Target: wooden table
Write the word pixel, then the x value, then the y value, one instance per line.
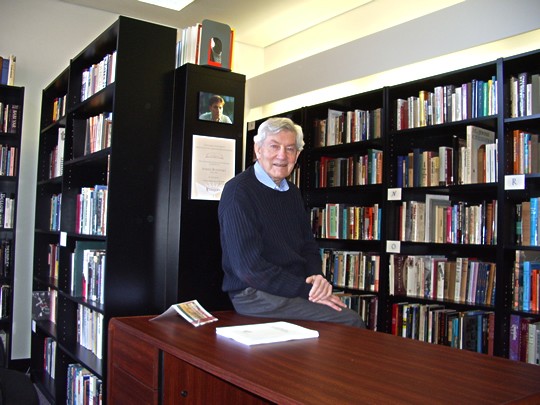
pixel 171 362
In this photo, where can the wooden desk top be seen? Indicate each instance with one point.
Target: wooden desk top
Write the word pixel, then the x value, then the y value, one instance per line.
pixel 344 365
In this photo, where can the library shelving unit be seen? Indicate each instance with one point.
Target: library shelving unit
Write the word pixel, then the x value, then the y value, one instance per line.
pixel 520 128
pixel 203 155
pixel 442 223
pixel 105 124
pixel 458 249
pixel 11 110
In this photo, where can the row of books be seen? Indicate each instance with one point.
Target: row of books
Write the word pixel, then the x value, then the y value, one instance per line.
pixel 49 357
pixel 433 323
pixel 526 152
pixel 98 133
pixel 98 76
pixel 443 221
pixel 476 162
pixel 91 210
pixel 367 306
pixel 341 127
pixel 8 160
pixel 53 260
pixel 55 211
pixel 83 387
pixel 463 280
pixel 5 296
pixel 7 70
pixel 526 281
pixel 59 107
pixel 524 94
pixel 295 176
pixel 6 246
pixel 10 118
pixel 355 170
pixel 7 210
pixel 351 269
pixel 90 330
pixel 88 270
pixel 342 221
pixel 524 339
pixel 527 222
pixel 56 156
pixel 448 103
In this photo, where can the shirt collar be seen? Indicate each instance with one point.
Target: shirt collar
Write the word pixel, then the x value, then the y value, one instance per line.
pixel 265 179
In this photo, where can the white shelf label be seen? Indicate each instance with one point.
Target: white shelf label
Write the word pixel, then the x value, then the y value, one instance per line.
pixel 63 239
pixel 393 246
pixel 514 182
pixel 394 194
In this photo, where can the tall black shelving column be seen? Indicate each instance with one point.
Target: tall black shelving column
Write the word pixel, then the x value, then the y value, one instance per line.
pixel 11 105
pixel 193 247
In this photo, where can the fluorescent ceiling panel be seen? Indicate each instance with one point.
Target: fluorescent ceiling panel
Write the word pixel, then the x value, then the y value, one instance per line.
pixel 172 4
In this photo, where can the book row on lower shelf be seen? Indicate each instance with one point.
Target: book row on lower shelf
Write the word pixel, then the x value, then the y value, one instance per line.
pixel 524 339
pixel 351 269
pixel 433 323
pixel 463 280
pixel 343 221
pixel 367 306
pixel 526 281
pixel 440 220
pixel 82 387
pixel 91 210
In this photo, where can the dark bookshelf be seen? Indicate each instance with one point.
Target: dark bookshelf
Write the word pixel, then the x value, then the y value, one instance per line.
pixel 12 103
pixel 399 140
pixel 193 258
pixel 139 99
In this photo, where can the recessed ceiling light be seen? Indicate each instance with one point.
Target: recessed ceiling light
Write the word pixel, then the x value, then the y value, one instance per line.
pixel 172 4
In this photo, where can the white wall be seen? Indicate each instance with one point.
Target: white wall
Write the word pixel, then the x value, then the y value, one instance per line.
pixel 45 34
pixel 455 30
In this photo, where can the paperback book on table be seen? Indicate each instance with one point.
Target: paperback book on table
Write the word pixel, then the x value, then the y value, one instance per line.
pixel 270 332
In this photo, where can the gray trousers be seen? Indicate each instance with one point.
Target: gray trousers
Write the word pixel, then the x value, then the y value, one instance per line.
pixel 252 302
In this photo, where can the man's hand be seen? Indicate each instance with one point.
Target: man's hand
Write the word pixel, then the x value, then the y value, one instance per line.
pixel 321 293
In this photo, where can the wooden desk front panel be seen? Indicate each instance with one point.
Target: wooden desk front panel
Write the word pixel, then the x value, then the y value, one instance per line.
pixel 344 365
pixel 186 384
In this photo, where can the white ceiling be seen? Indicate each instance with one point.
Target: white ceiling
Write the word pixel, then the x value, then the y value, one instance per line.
pixel 263 23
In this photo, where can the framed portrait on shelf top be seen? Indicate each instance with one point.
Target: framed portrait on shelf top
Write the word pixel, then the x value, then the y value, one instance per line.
pixel 216 107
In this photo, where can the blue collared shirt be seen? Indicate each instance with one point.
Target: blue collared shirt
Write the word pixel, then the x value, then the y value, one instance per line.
pixel 265 179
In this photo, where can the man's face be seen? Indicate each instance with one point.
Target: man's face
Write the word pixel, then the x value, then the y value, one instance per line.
pixel 217 110
pixel 277 155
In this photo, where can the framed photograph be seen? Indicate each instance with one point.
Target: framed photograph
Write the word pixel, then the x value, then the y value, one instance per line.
pixel 212 165
pixel 216 107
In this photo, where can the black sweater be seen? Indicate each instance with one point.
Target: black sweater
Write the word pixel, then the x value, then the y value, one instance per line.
pixel 266 238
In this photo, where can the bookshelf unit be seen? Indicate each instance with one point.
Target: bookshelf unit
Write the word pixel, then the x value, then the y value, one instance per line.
pixel 490 199
pixel 193 245
pixel 124 171
pixel 520 188
pixel 11 112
